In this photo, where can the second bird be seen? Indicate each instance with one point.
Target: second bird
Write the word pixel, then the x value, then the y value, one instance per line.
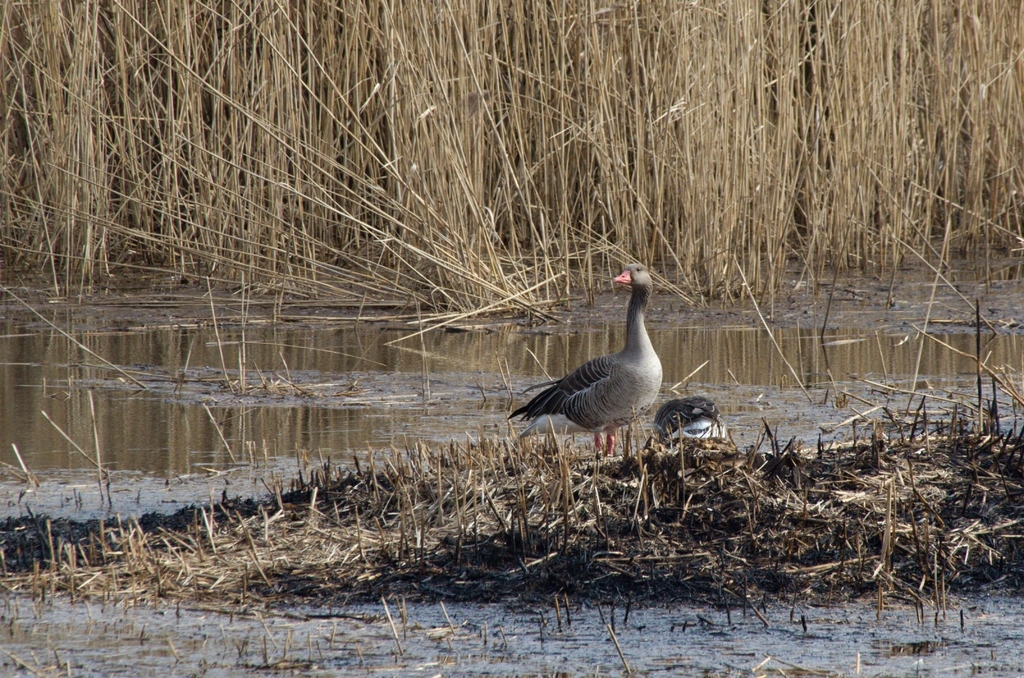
pixel 693 417
pixel 605 393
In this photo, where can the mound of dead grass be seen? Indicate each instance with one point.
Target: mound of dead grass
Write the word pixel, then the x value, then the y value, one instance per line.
pixel 896 514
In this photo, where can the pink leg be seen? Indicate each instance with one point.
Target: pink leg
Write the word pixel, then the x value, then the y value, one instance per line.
pixel 597 441
pixel 611 444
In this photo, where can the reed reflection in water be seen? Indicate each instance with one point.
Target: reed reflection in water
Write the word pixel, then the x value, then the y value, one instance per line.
pixel 343 389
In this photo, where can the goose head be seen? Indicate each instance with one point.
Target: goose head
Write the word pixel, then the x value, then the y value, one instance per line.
pixel 636 276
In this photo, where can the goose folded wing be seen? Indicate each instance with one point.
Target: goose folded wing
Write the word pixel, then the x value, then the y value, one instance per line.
pixel 685 409
pixel 569 394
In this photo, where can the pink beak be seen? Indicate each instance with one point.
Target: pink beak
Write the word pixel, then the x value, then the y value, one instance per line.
pixel 624 278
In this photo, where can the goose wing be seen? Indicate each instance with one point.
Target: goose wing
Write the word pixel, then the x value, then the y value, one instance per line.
pixel 573 395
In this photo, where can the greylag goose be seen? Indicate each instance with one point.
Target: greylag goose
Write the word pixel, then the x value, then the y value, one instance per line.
pixel 693 417
pixel 605 393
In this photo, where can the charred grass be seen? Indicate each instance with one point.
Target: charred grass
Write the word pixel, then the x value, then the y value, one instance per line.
pixel 902 513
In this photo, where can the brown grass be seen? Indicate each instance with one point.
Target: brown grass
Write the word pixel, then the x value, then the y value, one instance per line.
pixel 468 155
pixel 912 509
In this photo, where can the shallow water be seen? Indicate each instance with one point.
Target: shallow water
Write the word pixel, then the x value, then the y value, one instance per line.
pixel 97 638
pixel 158 418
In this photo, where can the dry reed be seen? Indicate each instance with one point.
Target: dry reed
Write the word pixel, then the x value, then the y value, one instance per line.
pixel 917 509
pixel 461 155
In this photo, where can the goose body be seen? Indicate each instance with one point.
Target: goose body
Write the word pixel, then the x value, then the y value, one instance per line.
pixel 693 417
pixel 607 392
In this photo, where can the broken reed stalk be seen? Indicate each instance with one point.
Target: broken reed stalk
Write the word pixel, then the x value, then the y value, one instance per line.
pixel 74 341
pixel 1003 380
pixel 96 441
pixel 464 194
pixel 241 347
pixel 216 334
pixel 30 477
pixel 220 434
pixel 618 648
pixel 771 335
pixel 927 319
pixel 78 448
pixel 821 334
pixel 425 377
pixel 394 631
pixel 458 317
pixel 977 362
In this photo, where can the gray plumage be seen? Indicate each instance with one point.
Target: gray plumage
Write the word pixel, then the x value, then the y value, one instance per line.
pixel 693 417
pixel 605 393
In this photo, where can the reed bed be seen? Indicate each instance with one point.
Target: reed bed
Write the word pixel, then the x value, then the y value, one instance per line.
pixel 472 155
pixel 912 510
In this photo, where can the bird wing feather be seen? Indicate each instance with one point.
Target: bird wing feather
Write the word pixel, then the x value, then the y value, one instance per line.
pixel 571 394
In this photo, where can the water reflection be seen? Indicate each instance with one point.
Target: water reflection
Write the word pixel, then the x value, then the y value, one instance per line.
pixel 342 389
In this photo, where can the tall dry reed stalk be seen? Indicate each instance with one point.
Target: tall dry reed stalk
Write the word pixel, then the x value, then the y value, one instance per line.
pixel 464 153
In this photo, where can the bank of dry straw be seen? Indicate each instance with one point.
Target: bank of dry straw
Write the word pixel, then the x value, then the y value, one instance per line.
pixel 899 513
pixel 468 154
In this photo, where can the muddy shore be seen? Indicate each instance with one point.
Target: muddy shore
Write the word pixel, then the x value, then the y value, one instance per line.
pixel 893 302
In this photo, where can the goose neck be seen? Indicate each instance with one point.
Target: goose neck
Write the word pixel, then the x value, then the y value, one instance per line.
pixel 636 332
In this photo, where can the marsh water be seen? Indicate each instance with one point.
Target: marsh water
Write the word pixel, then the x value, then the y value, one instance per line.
pixel 171 402
pixel 473 640
pixel 176 411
